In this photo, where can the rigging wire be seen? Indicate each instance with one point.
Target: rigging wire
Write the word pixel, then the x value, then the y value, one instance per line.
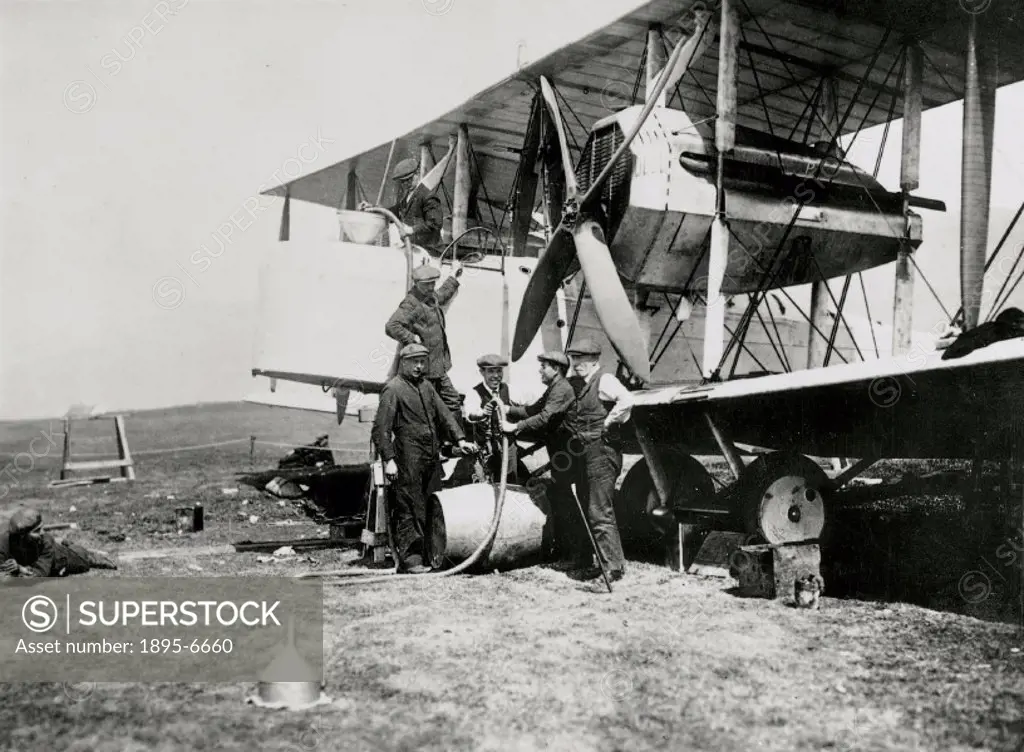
pixel 999 247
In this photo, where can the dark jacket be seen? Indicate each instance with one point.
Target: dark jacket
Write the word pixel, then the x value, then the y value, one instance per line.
pixel 421 315
pixel 42 558
pixel 547 414
pixel 422 211
pixel 410 417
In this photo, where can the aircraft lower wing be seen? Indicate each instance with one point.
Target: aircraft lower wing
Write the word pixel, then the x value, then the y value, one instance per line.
pixel 917 406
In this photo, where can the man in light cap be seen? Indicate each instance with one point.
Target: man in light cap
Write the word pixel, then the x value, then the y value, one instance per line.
pixel 26 551
pixel 407 432
pixel 420 319
pixel 601 405
pixel 479 413
pixel 546 419
pixel 416 206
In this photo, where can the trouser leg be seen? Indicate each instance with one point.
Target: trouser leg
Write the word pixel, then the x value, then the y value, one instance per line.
pixel 449 396
pixel 409 506
pixel 602 465
pixel 70 559
pixel 431 485
pixel 570 535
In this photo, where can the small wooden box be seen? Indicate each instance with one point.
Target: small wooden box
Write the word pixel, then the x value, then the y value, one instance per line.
pixel 769 571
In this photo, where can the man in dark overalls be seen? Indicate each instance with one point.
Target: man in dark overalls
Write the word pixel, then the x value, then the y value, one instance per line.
pixel 601 405
pixel 407 432
pixel 27 551
pixel 419 319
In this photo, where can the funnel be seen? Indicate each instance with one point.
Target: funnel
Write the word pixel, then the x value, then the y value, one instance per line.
pixel 273 692
pixel 361 227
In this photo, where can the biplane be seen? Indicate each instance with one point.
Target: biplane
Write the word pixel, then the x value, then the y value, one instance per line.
pixel 660 184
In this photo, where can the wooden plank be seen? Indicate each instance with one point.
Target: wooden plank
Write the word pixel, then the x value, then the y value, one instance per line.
pixel 128 469
pixel 67 449
pixel 96 464
pixel 84 482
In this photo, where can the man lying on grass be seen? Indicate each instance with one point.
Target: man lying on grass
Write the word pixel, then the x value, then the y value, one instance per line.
pixel 27 551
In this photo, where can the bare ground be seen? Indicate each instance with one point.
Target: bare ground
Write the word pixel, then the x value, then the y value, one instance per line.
pixel 530 659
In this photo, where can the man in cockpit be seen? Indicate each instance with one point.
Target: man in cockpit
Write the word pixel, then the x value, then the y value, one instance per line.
pixel 416 207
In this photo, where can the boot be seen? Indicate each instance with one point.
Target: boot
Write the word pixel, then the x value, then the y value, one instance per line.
pixel 414 565
pixel 99 560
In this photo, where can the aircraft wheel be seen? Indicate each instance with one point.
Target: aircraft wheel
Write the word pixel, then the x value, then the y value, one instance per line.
pixel 780 496
pixel 642 521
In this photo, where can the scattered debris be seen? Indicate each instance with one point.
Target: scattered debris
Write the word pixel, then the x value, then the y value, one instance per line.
pixel 317 454
pixel 285 489
pixel 285 551
pixel 72 508
pixel 229 491
pixel 281 503
pixel 866 481
pixel 171 497
pixel 295 544
pixel 60 526
pixel 195 568
pixel 245 502
pixel 253 519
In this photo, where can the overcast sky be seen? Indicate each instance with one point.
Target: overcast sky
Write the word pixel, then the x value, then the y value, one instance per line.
pixel 128 139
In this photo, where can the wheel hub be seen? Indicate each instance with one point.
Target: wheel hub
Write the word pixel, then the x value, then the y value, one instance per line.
pixel 791 510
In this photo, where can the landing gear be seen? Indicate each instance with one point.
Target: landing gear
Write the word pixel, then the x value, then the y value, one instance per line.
pixel 780 496
pixel 643 521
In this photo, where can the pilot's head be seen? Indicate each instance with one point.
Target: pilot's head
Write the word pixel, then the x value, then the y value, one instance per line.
pixel 492 370
pixel 404 176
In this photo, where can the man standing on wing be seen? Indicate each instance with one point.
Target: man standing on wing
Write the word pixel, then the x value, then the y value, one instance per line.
pixel 419 319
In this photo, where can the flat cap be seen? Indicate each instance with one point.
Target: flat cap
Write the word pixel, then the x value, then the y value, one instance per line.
pixel 24 520
pixel 584 347
pixel 425 272
pixel 553 356
pixel 491 361
pixel 412 351
pixel 405 169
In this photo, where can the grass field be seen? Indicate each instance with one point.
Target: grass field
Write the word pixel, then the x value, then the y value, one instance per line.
pixel 531 659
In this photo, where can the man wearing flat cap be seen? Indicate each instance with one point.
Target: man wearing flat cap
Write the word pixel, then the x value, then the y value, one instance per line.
pixel 407 431
pixel 27 551
pixel 416 206
pixel 545 419
pixel 419 319
pixel 601 405
pixel 478 411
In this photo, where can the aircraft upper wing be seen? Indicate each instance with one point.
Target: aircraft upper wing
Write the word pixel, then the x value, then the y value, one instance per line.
pixel 785 49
